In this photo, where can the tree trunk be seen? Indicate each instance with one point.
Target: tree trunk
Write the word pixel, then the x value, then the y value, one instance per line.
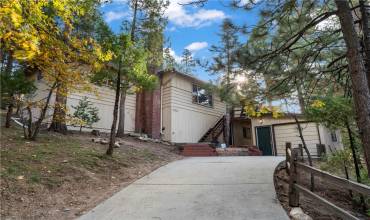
pixel 28 132
pixel 354 153
pixel 361 94
pixel 366 37
pixel 227 125
pixel 2 55
pixel 8 71
pixel 9 114
pixel 33 134
pixel 133 27
pixel 112 138
pixel 121 123
pixel 58 123
pixel 312 187
pixel 355 161
pixel 300 98
pixel 9 63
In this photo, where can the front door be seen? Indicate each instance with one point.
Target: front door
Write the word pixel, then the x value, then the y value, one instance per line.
pixel 264 140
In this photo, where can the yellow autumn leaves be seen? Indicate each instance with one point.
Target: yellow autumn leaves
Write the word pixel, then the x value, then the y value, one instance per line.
pixel 254 111
pixel 40 34
pixel 15 34
pixel 318 104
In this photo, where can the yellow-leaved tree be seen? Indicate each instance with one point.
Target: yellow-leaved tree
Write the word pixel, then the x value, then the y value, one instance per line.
pixel 40 36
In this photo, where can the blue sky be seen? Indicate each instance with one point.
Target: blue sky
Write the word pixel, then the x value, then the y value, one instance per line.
pixel 194 28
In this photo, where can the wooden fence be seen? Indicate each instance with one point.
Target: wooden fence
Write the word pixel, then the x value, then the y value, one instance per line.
pixel 294 167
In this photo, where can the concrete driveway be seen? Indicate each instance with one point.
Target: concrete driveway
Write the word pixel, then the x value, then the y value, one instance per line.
pixel 214 188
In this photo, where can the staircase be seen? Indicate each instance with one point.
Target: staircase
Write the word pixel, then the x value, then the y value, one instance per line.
pixel 198 150
pixel 214 132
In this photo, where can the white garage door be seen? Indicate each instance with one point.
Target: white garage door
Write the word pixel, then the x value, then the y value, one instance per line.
pixel 289 133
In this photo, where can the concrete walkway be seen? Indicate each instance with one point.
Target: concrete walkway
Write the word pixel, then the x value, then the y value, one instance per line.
pixel 214 188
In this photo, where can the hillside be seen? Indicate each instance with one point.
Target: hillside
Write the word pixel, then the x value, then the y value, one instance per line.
pixel 62 176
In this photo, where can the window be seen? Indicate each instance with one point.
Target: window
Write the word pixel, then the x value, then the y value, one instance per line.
pixel 246 132
pixel 333 136
pixel 201 96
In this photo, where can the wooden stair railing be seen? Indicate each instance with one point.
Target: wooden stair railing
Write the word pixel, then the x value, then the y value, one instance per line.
pixel 238 112
pixel 214 132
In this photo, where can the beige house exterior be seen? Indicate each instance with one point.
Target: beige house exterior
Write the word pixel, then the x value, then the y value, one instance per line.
pixel 189 113
pixel 183 119
pixel 101 97
pixel 273 133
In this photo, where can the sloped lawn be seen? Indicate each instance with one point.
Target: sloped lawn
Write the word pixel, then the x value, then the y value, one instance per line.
pixel 62 176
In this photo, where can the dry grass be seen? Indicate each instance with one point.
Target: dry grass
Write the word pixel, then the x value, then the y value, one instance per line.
pixel 61 176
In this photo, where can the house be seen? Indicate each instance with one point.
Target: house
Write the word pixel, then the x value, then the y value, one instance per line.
pixel 271 134
pixel 188 110
pixel 182 110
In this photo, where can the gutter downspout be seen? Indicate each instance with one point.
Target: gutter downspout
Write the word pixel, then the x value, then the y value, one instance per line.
pixel 161 107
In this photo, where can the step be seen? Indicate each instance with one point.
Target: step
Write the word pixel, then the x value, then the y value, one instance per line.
pixel 198 149
pixel 197 154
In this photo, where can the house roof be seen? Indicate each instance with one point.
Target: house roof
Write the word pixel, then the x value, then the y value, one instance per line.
pixel 186 75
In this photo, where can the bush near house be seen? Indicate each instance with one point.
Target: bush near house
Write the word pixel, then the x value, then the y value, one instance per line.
pixel 85 113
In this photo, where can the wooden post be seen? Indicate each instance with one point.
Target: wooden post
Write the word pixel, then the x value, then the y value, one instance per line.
pixel 293 193
pixel 288 153
pixel 301 152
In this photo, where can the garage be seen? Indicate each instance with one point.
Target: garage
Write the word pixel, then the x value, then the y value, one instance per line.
pixel 288 132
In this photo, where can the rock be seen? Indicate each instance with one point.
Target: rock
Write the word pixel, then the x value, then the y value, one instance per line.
pixel 65 161
pixel 66 210
pixel 96 140
pixel 134 134
pixel 95 132
pixel 103 141
pixel 143 138
pixel 298 214
pixel 166 143
pixel 117 145
pixel 20 177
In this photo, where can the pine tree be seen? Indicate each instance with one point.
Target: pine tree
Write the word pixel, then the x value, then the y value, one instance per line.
pixel 225 66
pixel 148 23
pixel 86 113
pixel 187 61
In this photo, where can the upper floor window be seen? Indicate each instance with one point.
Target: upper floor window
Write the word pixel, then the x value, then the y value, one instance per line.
pixel 333 136
pixel 201 96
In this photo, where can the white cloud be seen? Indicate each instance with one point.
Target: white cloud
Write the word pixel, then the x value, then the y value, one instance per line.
pixel 112 16
pixel 244 2
pixel 195 46
pixel 171 29
pixel 178 15
pixel 174 55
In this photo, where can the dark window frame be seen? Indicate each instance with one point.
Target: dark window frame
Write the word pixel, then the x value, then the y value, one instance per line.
pixel 247 134
pixel 196 95
pixel 333 136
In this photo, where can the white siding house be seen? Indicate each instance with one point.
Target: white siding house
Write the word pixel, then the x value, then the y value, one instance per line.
pixel 183 119
pixel 188 113
pixel 102 98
